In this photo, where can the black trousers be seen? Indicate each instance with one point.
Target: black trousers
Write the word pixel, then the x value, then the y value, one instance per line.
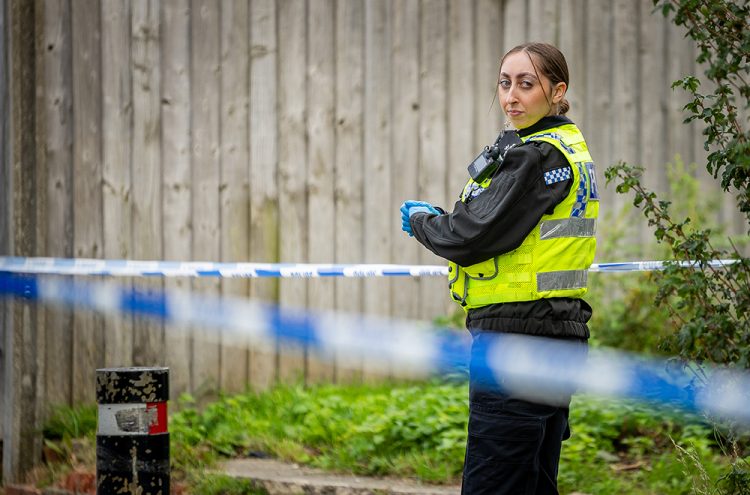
pixel 513 445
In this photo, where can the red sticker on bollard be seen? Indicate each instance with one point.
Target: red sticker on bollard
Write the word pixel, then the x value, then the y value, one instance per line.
pixel 159 419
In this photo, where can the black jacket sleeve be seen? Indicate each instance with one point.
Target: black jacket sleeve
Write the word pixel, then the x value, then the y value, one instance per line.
pixel 499 219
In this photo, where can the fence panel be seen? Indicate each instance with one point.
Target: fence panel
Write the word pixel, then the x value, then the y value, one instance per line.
pixel 349 158
pixel 234 188
pixel 205 98
pixel 292 131
pixel 55 113
pixel 176 186
pixel 293 214
pixel 264 189
pixel 88 335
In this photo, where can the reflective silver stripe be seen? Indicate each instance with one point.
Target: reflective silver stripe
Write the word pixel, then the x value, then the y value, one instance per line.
pixel 567 227
pixel 569 279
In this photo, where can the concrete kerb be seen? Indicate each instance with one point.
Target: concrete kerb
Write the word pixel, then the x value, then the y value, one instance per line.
pixel 279 478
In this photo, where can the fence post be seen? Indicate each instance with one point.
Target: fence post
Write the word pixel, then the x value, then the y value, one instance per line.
pixel 132 440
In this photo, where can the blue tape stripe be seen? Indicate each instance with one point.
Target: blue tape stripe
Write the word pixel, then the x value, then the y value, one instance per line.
pixel 209 273
pixel 534 368
pixel 268 273
pixel 130 268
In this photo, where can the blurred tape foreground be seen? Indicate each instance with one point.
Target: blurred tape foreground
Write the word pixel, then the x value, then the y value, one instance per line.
pixel 534 368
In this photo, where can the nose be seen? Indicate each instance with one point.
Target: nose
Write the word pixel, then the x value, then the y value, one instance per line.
pixel 510 94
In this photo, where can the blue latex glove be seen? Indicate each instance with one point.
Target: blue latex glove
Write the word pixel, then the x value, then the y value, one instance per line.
pixel 411 207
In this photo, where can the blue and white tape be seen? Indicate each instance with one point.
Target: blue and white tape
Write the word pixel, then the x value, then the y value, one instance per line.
pixel 535 368
pixel 134 268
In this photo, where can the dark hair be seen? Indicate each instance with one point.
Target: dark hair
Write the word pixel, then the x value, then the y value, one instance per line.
pixel 551 63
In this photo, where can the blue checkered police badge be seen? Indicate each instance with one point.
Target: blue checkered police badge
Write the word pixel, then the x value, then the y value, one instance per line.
pixel 556 175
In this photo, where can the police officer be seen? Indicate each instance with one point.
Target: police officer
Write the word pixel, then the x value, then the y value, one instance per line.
pixel 519 243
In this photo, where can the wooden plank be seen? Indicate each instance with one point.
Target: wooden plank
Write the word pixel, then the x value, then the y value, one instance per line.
pixel 146 169
pixel 515 23
pixel 679 64
pixel 292 169
pixel 653 96
pixel 177 193
pixel 58 155
pixel 625 94
pixel 461 97
pixel 5 161
pixel 320 170
pixel 654 89
pixel 463 105
pixel 377 143
pixel 22 346
pixel 543 21
pixel 264 192
pixel 6 323
pixel 117 131
pixel 87 176
pixel 433 128
pixel 379 206
pixel 572 43
pixel 349 172
pixel 235 174
pixel 599 99
pixel 204 90
pixel 405 105
pixel 37 349
pixel 488 116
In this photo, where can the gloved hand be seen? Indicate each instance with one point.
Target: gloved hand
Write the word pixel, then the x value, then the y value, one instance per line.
pixel 411 207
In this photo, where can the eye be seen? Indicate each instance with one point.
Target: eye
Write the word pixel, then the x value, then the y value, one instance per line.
pixel 504 83
pixel 526 84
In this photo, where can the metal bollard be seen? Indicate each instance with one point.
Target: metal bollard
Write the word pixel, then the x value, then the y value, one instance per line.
pixel 132 440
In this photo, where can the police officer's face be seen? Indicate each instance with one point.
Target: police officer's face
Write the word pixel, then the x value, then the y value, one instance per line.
pixel 526 97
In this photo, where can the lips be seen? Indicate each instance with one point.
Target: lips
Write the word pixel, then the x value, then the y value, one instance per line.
pixel 513 113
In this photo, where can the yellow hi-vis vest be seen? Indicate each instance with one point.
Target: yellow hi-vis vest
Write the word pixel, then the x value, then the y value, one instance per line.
pixel 554 258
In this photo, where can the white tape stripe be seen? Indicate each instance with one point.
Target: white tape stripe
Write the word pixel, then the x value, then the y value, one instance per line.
pixel 125 419
pixel 135 268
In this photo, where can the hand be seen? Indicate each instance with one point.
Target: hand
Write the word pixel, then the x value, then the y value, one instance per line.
pixel 411 207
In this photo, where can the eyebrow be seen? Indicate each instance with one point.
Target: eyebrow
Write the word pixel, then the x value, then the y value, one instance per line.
pixel 522 74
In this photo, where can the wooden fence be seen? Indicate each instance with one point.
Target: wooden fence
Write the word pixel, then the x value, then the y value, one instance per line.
pixel 267 131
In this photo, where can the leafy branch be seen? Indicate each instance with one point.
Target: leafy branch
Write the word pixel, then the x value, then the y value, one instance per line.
pixel 721 31
pixel 709 305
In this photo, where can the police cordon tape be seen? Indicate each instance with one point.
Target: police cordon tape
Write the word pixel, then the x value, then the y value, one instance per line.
pixel 538 369
pixel 135 268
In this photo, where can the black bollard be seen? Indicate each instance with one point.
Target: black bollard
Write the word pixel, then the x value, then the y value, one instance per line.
pixel 132 440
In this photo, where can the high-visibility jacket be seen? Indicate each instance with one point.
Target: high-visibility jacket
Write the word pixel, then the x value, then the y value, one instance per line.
pixel 554 258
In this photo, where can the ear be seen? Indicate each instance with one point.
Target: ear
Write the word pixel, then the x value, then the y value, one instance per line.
pixel 558 92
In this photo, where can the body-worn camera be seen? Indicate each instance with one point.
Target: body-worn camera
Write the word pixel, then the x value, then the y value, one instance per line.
pixel 491 157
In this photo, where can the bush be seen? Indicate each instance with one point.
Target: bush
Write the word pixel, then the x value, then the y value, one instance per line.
pixel 709 305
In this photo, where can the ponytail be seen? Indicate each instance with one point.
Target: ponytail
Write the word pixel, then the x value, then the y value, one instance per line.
pixel 563 107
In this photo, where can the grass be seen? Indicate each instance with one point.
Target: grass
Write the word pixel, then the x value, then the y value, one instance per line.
pixel 418 431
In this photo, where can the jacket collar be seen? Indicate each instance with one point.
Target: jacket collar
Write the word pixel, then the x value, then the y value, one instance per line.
pixel 545 123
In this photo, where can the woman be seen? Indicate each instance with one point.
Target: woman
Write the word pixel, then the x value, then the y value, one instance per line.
pixel 519 243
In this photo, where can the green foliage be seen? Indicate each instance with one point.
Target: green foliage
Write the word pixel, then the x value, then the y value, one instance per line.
pixel 629 448
pixel 419 431
pixel 721 30
pixel 405 430
pixel 224 485
pixel 709 305
pixel 631 320
pixel 71 422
